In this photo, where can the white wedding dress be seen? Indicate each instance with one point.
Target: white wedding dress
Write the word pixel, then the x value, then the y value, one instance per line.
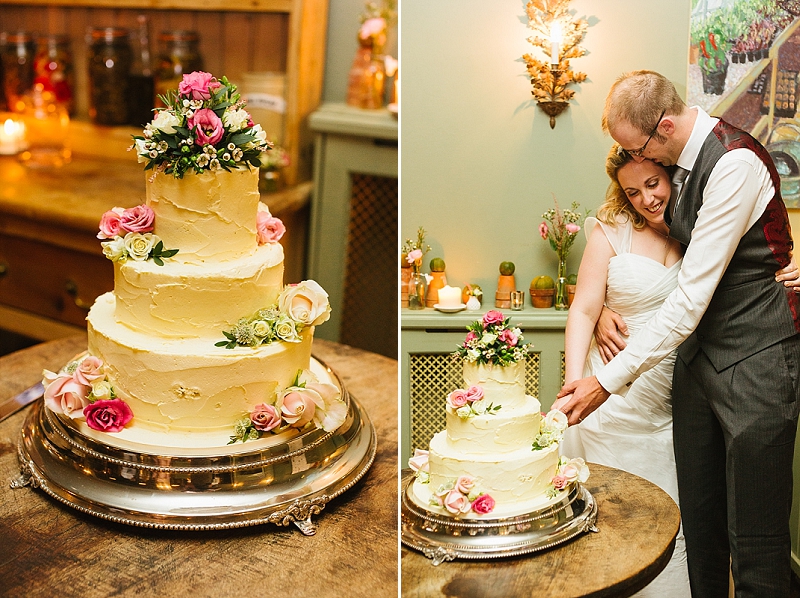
pixel 634 432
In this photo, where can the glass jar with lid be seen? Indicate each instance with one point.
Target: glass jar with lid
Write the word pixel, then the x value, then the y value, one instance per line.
pixel 178 56
pixel 18 51
pixel 109 59
pixel 53 69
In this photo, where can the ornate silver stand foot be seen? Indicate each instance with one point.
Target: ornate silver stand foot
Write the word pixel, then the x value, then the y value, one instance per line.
pixel 438 555
pixel 22 480
pixel 306 526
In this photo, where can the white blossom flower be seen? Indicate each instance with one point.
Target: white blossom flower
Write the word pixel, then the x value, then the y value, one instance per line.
pixel 114 249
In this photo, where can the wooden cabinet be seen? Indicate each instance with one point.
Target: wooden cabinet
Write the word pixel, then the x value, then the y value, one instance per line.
pixel 51 264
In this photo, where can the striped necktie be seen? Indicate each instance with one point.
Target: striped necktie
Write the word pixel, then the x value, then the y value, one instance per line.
pixel 678 178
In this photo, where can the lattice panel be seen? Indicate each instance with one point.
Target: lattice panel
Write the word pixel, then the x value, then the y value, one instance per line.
pixel 433 377
pixel 369 312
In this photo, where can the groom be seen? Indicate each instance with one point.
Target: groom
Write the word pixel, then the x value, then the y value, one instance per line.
pixel 736 380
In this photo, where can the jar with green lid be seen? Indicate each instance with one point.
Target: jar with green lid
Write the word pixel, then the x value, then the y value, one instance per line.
pixel 179 55
pixel 109 59
pixel 18 52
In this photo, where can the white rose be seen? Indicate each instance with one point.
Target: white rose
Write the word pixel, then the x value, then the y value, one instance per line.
pixel 114 249
pixel 556 421
pixel 260 135
pixel 235 120
pixel 306 303
pixel 141 150
pixel 140 245
pixel 286 330
pixel 101 390
pixel 165 121
pixel 479 406
pixel 464 412
pixel 488 339
pixel 260 328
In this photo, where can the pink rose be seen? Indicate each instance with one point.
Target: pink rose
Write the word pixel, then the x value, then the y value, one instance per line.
pixel 465 484
pixel 89 370
pixel 456 399
pixel 572 228
pixel 474 393
pixel 419 462
pixel 137 220
pixel 508 337
pixel 109 223
pixel 297 409
pixel 108 416
pixel 483 504
pixel 543 230
pixel 413 256
pixel 197 85
pixel 492 317
pixel 62 394
pixel 471 336
pixel 207 127
pixel 560 482
pixel 268 228
pixel 456 502
pixel 265 417
pixel 372 27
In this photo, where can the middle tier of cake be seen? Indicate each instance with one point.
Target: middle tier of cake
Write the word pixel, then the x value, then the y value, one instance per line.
pixel 501 431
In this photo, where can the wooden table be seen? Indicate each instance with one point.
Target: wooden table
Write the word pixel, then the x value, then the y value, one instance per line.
pixel 48 549
pixel 638 523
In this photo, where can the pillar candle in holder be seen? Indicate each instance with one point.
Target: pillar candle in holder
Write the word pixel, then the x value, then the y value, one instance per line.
pixel 517 300
pixel 449 297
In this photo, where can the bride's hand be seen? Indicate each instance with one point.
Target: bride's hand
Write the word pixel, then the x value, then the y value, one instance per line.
pixel 789 276
pixel 608 332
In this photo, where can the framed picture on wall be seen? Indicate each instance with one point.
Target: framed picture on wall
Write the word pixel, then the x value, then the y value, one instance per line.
pixel 744 66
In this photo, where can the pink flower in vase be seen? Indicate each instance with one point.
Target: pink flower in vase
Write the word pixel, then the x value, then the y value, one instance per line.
pixel 207 126
pixel 543 230
pixel 137 220
pixel 483 504
pixel 414 256
pixel 268 228
pixel 197 85
pixel 572 228
pixel 110 223
pixel 108 415
pixel 492 317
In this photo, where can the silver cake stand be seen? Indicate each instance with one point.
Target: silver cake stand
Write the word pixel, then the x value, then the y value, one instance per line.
pixel 442 538
pixel 283 484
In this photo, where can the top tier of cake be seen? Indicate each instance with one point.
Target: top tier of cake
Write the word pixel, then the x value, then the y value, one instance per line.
pixel 505 385
pixel 209 217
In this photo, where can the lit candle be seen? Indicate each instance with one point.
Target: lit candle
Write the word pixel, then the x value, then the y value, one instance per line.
pixel 449 297
pixel 555 42
pixel 12 137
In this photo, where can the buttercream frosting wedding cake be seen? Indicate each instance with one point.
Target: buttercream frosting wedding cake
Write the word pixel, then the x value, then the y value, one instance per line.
pixel 200 347
pixel 498 455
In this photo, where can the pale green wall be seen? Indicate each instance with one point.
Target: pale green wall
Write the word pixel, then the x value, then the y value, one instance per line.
pixel 479 162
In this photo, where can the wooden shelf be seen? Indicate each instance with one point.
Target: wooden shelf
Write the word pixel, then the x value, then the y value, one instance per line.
pixel 205 5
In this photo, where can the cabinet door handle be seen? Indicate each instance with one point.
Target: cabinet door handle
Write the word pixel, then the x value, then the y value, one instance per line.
pixel 72 290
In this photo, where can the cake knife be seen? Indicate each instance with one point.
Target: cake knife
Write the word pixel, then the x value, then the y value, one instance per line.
pixel 17 402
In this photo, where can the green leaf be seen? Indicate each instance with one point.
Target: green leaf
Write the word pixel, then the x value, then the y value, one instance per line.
pixel 158 260
pixel 240 138
pixel 221 344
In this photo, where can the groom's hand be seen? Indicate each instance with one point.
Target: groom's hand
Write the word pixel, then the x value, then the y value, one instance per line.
pixel 579 398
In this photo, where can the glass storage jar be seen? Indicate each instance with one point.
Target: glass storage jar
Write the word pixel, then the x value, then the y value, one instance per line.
pixel 110 59
pixel 53 69
pixel 18 52
pixel 179 55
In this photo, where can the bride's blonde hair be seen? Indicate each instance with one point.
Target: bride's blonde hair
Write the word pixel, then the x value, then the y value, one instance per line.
pixel 617 204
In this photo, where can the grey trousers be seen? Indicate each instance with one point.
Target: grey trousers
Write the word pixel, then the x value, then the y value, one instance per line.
pixel 734 434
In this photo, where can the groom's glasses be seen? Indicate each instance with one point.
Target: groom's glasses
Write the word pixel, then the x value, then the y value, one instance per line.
pixel 639 152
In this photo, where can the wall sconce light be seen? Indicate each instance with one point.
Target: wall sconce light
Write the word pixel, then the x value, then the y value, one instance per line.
pixel 558 34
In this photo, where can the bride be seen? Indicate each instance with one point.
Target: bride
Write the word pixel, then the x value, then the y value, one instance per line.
pixel 630 265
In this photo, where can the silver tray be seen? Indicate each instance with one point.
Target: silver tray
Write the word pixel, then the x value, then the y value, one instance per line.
pixel 282 484
pixel 442 538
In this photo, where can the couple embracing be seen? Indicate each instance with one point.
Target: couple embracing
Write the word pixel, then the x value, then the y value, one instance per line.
pixel 691 254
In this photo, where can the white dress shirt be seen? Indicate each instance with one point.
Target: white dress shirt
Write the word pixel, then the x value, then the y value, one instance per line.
pixel 736 195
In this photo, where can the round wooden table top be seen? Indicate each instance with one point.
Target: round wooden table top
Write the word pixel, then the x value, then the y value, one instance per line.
pixel 48 549
pixel 637 523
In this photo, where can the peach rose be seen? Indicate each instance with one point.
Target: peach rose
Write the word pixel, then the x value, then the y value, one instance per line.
pixel 456 399
pixel 62 394
pixel 306 303
pixel 297 408
pixel 474 393
pixel 419 462
pixel 456 503
pixel 265 417
pixel 465 484
pixel 89 370
pixel 268 228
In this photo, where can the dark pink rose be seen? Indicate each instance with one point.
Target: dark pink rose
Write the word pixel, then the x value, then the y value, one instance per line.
pixel 108 415
pixel 137 220
pixel 492 317
pixel 471 336
pixel 207 127
pixel 197 85
pixel 560 482
pixel 474 393
pixel 109 223
pixel 268 228
pixel 543 230
pixel 508 338
pixel 456 399
pixel 265 417
pixel 483 504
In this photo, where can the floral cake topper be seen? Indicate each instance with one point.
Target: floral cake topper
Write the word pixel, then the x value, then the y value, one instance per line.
pixel 492 340
pixel 204 127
